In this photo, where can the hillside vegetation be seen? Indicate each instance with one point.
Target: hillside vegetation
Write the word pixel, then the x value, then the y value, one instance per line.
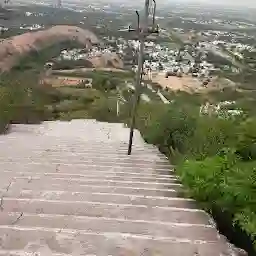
pixel 216 159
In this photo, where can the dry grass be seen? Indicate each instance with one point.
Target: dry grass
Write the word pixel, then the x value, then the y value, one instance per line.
pixel 189 84
pixel 84 70
pixel 59 81
pixel 110 60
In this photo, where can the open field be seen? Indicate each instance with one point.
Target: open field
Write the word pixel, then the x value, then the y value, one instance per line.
pixel 78 70
pixel 188 83
pixel 58 81
pixel 77 76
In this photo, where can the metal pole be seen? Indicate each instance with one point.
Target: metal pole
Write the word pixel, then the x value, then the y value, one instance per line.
pixel 142 35
pixel 117 107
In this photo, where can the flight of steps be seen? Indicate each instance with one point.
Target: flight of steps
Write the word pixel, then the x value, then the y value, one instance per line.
pixel 69 188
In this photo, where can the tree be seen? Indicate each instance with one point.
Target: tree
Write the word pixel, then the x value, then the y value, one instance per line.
pixel 104 83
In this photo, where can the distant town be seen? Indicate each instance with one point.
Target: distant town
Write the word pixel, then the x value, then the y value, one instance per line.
pixel 198 45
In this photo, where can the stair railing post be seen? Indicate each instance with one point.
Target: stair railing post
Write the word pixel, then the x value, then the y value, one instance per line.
pixel 143 31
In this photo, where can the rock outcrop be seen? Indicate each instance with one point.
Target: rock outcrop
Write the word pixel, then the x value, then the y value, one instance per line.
pixel 11 49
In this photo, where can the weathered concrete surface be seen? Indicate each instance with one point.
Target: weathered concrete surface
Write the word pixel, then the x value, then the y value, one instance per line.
pixel 68 188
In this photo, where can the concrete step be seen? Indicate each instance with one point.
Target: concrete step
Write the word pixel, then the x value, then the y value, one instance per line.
pixel 117 176
pixel 83 155
pixel 105 209
pixel 65 143
pixel 90 163
pixel 115 198
pixel 140 152
pixel 101 244
pixel 86 152
pixel 97 141
pixel 64 171
pixel 85 134
pixel 112 225
pixel 92 160
pixel 115 154
pixel 27 185
pixel 41 251
pixel 73 140
pixel 66 181
pixel 87 168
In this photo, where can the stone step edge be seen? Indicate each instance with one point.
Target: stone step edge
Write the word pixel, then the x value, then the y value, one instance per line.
pixel 5 194
pixel 95 174
pixel 30 201
pixel 108 234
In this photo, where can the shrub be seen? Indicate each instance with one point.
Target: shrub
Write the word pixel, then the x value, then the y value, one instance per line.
pixel 5 111
pixel 215 156
pixel 104 109
pixel 226 184
pixel 169 129
pixel 246 139
pixel 210 136
pixel 22 101
pixel 77 114
pixel 104 83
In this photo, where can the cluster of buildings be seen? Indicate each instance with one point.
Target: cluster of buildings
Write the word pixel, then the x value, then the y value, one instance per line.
pixel 222 109
pixel 3 29
pixel 79 54
pixel 32 27
pixel 160 58
pixel 218 21
pixel 228 41
pixel 233 46
pixel 36 14
pixel 228 44
pixel 74 54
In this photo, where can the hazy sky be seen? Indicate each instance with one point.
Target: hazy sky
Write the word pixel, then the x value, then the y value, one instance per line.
pixel 229 2
pixel 222 2
pixel 249 3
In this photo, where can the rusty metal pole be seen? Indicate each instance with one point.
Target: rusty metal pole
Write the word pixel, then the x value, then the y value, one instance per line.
pixel 142 33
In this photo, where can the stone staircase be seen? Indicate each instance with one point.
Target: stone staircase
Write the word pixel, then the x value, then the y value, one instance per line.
pixel 69 188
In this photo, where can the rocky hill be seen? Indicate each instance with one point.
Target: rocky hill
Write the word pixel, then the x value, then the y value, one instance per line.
pixel 11 49
pixel 107 60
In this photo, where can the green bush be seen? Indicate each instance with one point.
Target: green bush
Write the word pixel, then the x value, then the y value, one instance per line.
pixel 224 183
pixel 69 105
pixel 22 101
pixel 246 139
pixel 104 83
pixel 210 136
pixel 77 114
pixel 169 128
pixel 5 111
pixel 71 64
pixel 215 157
pixel 104 109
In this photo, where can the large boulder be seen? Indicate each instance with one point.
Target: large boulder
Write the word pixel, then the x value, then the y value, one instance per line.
pixel 11 49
